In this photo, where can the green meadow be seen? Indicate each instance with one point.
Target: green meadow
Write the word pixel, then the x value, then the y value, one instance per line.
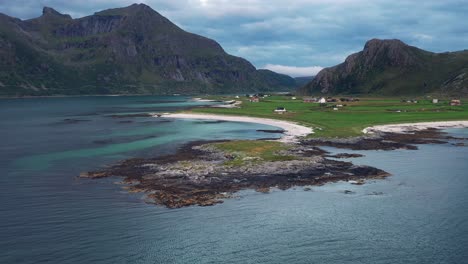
pixel 348 120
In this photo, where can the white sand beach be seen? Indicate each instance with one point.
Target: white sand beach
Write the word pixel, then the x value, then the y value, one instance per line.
pixel 292 130
pixel 408 127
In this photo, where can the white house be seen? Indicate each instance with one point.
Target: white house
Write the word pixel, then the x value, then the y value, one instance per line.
pixel 280 110
pixel 322 100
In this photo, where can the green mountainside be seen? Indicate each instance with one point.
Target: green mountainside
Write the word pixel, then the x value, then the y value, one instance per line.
pixel 131 50
pixel 391 67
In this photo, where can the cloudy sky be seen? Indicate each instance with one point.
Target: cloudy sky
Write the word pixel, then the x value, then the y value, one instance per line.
pixel 296 37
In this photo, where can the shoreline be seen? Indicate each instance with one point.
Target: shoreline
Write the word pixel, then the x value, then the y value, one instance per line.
pixel 204 174
pixel 292 131
pixel 417 126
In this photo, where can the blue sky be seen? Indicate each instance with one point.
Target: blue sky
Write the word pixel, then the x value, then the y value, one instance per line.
pixel 296 37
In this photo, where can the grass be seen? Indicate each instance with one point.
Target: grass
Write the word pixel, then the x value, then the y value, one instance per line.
pixel 349 120
pixel 243 150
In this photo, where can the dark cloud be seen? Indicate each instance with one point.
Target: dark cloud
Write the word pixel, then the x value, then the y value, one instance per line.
pixel 296 33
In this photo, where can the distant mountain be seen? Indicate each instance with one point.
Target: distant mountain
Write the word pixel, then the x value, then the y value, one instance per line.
pixel 301 81
pixel 391 67
pixel 127 50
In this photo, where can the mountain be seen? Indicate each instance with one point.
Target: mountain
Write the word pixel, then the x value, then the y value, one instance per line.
pixel 301 81
pixel 131 50
pixel 391 67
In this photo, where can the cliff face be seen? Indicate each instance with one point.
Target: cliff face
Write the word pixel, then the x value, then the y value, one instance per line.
pixel 391 67
pixel 124 50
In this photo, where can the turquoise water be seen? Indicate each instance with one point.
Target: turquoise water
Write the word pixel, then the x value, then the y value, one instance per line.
pixel 418 215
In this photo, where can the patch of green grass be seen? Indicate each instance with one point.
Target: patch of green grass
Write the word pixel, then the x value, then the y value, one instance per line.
pixel 248 150
pixel 349 120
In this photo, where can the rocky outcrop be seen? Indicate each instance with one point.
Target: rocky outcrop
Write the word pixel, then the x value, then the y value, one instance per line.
pixel 123 50
pixel 391 67
pixel 203 175
pixel 383 141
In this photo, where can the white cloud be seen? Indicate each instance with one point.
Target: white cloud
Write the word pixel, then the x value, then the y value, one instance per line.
pixel 294 71
pixel 423 37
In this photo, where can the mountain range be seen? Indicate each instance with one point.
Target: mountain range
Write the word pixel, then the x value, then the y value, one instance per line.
pixel 391 67
pixel 130 50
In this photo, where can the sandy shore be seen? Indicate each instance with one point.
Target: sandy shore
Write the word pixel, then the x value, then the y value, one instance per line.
pixel 292 130
pixel 408 127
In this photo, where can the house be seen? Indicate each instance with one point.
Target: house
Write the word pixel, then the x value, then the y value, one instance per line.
pixel 455 102
pixel 323 100
pixel 280 110
pixel 254 99
pixel 435 101
pixel 293 98
pixel 309 100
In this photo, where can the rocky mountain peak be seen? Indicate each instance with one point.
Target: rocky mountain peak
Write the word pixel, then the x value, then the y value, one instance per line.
pixel 392 67
pixel 131 49
pixel 391 52
pixel 140 10
pixel 50 12
pixel 140 6
pixel 378 43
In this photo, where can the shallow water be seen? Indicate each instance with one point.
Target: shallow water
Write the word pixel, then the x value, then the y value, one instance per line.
pixel 418 215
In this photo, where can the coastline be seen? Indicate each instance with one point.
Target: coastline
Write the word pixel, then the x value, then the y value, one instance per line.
pixel 206 173
pixel 292 131
pixel 418 126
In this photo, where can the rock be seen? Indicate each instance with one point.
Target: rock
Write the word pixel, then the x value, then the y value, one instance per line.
pixel 345 155
pixel 263 189
pixel 358 182
pixel 195 175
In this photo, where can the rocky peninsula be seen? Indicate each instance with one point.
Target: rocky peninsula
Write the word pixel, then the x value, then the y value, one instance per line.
pixel 205 173
pixel 202 174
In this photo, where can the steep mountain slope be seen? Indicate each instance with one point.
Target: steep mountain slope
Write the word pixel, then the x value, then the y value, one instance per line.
pixel 391 67
pixel 124 50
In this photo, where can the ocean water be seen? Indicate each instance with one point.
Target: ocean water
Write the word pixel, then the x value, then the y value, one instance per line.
pixel 48 215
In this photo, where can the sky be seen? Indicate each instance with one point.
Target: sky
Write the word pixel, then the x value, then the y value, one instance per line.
pixel 294 37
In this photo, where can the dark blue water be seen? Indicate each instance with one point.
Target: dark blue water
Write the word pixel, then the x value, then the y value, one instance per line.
pixel 47 215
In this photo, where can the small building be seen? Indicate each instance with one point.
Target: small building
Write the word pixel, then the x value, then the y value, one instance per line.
pixel 309 100
pixel 323 100
pixel 254 99
pixel 455 102
pixel 435 101
pixel 293 98
pixel 280 110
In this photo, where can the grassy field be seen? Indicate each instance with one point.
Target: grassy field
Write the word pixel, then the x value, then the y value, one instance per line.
pixel 348 120
pixel 242 150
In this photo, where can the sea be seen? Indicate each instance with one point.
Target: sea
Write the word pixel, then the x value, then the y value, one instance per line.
pixel 50 215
